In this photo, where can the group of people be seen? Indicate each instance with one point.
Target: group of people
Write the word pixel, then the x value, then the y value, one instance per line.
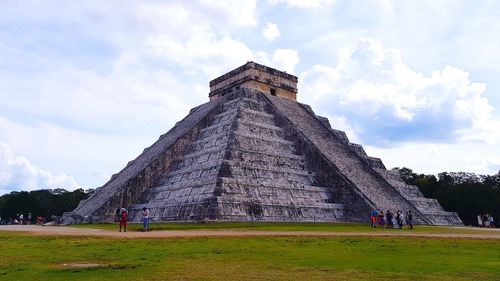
pixel 390 219
pixel 23 219
pixel 122 215
pixel 486 220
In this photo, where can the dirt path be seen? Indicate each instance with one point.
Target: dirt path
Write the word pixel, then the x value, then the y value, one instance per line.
pixel 71 231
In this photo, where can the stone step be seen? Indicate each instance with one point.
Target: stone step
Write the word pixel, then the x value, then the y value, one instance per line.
pixel 237 165
pixel 256 116
pixel 273 153
pixel 200 153
pixel 217 128
pixel 375 162
pixel 277 203
pixel 254 183
pixel 244 102
pixel 259 137
pixel 210 137
pixel 290 197
pixel 223 116
pixel 192 172
pixel 427 206
pixel 389 174
pixel 410 192
pixel 309 191
pixel 263 144
pixel 265 159
pixel 260 125
pixel 199 157
pixel 189 183
pixel 218 142
pixel 445 218
pixel 259 129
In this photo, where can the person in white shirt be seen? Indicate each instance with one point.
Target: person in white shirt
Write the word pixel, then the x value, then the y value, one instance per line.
pixel 145 218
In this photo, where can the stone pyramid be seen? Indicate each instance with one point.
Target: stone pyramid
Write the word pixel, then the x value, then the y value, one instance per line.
pixel 254 153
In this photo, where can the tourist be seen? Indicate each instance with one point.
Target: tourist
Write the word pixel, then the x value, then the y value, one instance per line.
pixel 409 219
pixel 401 219
pixel 373 218
pixel 388 217
pixel 395 221
pixel 145 218
pixel 484 219
pixel 39 220
pixel 380 216
pixel 123 219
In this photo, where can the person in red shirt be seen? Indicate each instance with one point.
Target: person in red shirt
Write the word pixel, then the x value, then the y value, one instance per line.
pixel 123 219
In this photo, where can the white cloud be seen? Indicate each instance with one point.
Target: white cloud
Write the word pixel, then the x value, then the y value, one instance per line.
pixel 433 158
pixel 488 164
pixel 386 101
pixel 281 59
pixel 286 59
pixel 303 4
pixel 271 31
pixel 82 154
pixel 204 52
pixel 17 173
pixel 236 13
pixel 87 100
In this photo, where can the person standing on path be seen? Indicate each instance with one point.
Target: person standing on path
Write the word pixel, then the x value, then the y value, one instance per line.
pixel 401 219
pixel 145 218
pixel 380 217
pixel 388 216
pixel 409 219
pixel 123 219
pixel 484 219
pixel 373 218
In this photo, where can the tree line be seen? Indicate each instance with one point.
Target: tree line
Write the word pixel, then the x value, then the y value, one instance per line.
pixel 45 202
pixel 468 194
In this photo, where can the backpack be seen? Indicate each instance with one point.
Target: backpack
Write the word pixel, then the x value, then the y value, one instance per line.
pixel 124 214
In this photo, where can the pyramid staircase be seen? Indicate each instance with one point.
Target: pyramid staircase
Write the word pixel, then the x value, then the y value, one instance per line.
pixel 241 167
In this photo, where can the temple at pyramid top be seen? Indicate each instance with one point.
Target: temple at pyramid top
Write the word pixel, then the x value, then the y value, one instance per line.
pixel 255 76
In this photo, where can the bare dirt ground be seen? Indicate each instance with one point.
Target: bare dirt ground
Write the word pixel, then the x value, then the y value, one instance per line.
pixel 71 231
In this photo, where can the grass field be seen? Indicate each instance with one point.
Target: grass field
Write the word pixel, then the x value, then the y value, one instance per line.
pixel 277 226
pixel 26 257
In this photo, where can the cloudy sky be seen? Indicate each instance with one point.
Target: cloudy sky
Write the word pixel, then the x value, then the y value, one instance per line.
pixel 85 86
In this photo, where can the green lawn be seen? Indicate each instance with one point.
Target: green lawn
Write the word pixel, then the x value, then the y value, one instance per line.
pixel 285 226
pixel 25 257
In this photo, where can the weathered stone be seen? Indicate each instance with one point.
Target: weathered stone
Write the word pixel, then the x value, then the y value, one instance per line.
pixel 249 155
